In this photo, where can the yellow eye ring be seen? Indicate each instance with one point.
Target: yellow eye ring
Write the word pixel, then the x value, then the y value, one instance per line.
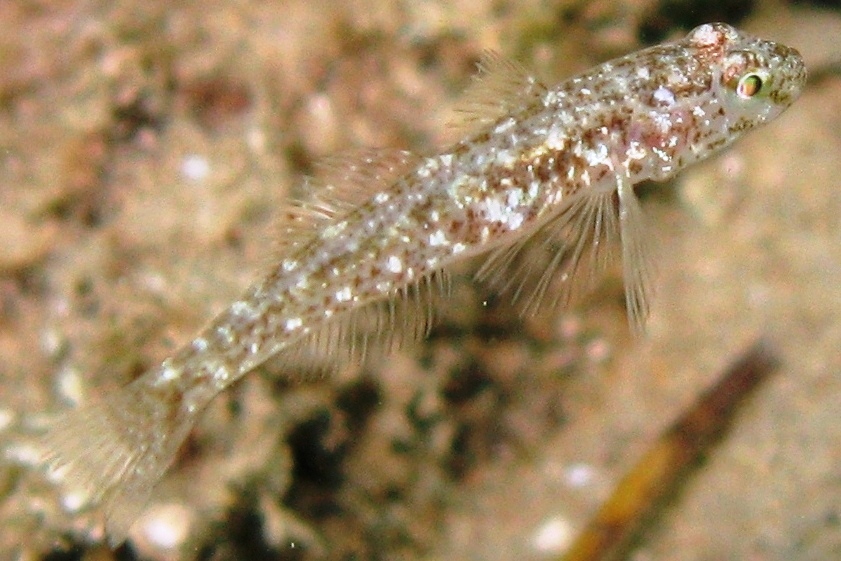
pixel 749 85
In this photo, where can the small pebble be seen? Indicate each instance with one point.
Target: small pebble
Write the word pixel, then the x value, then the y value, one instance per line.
pixel 553 536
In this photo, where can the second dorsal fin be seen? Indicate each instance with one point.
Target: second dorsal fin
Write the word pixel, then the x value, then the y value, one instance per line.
pixel 342 182
pixel 500 87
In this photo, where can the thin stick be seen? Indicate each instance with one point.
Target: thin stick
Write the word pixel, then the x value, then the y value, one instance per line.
pixel 655 477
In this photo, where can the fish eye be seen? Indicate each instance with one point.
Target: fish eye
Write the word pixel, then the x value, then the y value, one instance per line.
pixel 749 85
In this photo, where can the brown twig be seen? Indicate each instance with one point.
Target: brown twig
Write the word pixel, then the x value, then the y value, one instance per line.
pixel 663 467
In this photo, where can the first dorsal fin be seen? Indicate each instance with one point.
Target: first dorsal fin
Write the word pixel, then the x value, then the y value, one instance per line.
pixel 500 87
pixel 342 182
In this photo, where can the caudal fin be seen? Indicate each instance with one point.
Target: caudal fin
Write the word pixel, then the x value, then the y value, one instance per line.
pixel 113 451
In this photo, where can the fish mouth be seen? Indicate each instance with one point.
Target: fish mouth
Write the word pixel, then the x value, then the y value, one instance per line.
pixel 791 75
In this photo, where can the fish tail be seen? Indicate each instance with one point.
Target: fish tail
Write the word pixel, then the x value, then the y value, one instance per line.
pixel 113 451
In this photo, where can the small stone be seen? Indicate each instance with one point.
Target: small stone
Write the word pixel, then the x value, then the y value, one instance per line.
pixel 553 536
pixel 161 532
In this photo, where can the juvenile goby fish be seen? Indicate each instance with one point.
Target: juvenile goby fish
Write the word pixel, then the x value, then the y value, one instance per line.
pixel 362 259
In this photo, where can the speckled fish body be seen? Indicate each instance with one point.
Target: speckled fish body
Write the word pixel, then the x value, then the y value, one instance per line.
pixel 558 162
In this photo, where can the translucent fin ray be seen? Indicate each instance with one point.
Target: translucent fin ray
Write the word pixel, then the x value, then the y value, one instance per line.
pixel 351 177
pixel 563 258
pixel 342 182
pixel 372 330
pixel 637 260
pixel 499 88
pixel 115 450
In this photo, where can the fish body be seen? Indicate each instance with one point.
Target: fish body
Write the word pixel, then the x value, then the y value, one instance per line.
pixel 361 260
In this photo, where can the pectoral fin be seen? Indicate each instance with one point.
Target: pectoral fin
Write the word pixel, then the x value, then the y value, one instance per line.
pixel 570 251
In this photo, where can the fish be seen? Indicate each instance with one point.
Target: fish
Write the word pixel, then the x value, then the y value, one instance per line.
pixel 361 260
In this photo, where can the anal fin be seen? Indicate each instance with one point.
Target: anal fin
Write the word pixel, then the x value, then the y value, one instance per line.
pixel 374 330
